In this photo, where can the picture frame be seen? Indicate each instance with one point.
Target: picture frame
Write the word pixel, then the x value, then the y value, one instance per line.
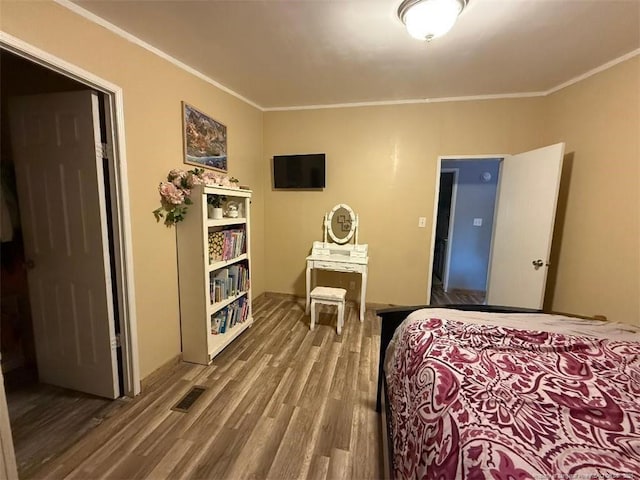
pixel 204 139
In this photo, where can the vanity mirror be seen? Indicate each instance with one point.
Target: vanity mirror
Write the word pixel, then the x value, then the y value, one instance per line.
pixel 338 255
pixel 341 224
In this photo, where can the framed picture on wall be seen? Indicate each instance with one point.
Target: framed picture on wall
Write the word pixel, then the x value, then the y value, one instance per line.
pixel 205 140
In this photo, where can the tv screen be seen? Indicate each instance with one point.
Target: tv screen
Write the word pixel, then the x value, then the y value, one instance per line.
pixel 299 171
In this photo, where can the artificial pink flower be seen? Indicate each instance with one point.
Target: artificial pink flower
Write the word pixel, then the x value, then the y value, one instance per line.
pixel 170 193
pixel 176 191
pixel 193 180
pixel 176 176
pixel 210 178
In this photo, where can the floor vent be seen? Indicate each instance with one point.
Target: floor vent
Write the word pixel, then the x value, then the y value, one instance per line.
pixel 189 399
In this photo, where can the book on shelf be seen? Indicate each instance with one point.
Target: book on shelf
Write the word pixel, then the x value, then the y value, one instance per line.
pixel 216 246
pixel 226 244
pixel 228 282
pixel 215 324
pixel 230 316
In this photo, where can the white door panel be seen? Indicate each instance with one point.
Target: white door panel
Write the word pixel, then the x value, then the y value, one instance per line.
pixel 58 163
pixel 525 216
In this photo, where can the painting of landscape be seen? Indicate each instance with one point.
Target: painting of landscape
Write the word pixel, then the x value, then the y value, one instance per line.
pixel 205 140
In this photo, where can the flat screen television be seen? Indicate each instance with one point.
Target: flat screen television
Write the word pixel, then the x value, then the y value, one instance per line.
pixel 299 171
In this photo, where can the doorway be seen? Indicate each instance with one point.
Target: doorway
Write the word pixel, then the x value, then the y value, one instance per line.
pixel 45 419
pixel 54 416
pixel 463 230
pixel 444 224
pixel 523 218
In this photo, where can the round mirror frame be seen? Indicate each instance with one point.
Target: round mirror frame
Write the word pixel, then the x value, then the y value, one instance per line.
pixel 352 218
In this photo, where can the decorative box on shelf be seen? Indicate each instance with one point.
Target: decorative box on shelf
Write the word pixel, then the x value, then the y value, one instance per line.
pixel 214 268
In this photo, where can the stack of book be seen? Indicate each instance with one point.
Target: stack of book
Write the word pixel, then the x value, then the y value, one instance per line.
pixel 228 282
pixel 230 316
pixel 226 244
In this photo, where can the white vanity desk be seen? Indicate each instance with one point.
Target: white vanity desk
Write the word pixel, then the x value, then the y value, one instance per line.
pixel 341 225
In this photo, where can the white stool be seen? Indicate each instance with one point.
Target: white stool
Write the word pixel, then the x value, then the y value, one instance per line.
pixel 328 296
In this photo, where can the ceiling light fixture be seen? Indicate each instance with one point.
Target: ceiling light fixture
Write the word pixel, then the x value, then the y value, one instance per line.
pixel 428 19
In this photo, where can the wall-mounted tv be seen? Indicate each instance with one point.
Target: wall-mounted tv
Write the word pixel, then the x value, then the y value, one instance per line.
pixel 299 171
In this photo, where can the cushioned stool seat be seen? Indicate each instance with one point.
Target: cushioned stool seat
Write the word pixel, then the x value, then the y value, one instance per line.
pixel 328 296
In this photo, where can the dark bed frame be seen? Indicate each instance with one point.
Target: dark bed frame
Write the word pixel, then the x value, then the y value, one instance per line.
pixel 391 320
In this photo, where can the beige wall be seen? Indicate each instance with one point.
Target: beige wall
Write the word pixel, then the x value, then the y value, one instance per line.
pixel 598 269
pixel 153 90
pixel 382 162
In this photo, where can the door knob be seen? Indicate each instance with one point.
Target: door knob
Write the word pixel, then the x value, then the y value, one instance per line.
pixel 537 264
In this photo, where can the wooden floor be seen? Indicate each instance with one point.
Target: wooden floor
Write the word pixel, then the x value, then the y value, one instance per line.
pixel 456 297
pixel 281 402
pixel 47 420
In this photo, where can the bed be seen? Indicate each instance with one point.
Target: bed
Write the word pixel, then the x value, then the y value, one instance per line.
pixel 475 392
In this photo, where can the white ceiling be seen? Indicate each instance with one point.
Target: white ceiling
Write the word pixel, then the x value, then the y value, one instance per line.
pixel 287 53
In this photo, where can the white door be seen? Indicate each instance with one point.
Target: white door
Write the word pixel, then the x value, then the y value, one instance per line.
pixel 58 162
pixel 525 215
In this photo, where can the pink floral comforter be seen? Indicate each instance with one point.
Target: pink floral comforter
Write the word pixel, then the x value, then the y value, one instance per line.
pixel 475 402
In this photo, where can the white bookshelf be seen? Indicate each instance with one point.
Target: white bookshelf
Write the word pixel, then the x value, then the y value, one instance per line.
pixel 196 272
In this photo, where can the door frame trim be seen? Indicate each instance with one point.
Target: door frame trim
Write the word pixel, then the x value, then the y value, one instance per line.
pixel 8 467
pixel 452 217
pixel 120 197
pixel 434 217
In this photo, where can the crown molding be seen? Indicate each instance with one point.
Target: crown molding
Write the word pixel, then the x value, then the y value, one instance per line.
pixel 408 102
pixel 594 71
pixel 471 98
pixel 141 43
